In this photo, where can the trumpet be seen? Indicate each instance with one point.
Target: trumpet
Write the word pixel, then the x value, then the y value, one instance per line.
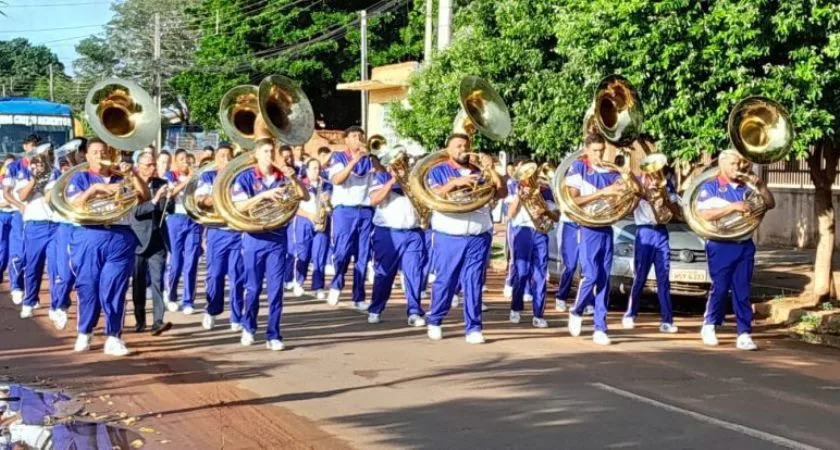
pixel 656 190
pixel 531 175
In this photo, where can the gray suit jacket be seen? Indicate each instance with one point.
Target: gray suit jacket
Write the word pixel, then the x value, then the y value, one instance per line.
pixel 145 221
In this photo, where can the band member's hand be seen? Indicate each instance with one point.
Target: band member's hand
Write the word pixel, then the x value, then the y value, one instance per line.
pixel 358 156
pixel 111 188
pixel 125 167
pixel 325 197
pixel 526 190
pixel 741 207
pixel 467 180
pixel 611 190
pixel 486 161
pixel 539 211
pixel 160 194
pixel 287 171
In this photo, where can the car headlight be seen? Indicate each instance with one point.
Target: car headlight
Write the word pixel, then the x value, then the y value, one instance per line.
pixel 623 249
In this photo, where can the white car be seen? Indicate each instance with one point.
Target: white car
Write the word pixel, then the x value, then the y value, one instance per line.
pixel 689 271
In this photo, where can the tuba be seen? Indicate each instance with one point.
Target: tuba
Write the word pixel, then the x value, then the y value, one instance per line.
pixel 397 160
pixel 376 143
pixel 200 214
pixel 125 117
pixel 484 111
pixel 761 131
pixel 322 210
pixel 617 114
pixel 277 108
pixel 656 191
pixel 534 176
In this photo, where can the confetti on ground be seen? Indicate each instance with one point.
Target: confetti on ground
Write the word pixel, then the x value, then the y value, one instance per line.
pixel 137 443
pixel 147 430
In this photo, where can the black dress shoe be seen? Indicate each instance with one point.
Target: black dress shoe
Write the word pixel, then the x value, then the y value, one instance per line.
pixel 159 327
pixel 140 327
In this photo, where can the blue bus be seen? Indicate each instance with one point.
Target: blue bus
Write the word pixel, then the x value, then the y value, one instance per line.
pixel 22 116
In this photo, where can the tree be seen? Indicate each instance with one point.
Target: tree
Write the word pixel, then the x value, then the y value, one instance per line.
pixel 22 64
pixel 315 43
pixel 691 61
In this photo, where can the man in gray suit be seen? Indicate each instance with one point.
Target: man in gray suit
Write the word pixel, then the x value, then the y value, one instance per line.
pixel 150 256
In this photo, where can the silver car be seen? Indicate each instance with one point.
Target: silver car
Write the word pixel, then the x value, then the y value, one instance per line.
pixel 689 271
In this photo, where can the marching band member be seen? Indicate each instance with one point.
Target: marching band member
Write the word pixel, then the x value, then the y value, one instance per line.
pixel 224 253
pixel 569 239
pixel 730 262
pixel 309 244
pixel 324 156
pixel 16 177
pixel 150 254
pixel 184 238
pixel 38 228
pixel 588 183
pixel 351 174
pixel 7 212
pixel 164 161
pixel 529 252
pixel 264 253
pixel 398 244
pixel 287 158
pixel 462 240
pixel 102 255
pixel 652 247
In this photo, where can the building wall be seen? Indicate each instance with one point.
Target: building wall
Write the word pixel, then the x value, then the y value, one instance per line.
pixel 792 222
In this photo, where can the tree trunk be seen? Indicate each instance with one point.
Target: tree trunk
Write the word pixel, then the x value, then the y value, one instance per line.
pixel 822 165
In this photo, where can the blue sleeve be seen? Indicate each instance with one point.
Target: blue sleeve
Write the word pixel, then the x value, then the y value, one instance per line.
pixel 380 179
pixel 170 177
pixel 577 168
pixel 437 176
pixel 79 183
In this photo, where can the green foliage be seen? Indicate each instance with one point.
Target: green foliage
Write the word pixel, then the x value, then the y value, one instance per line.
pixel 826 306
pixel 690 61
pixel 22 64
pixel 315 43
pixel 810 322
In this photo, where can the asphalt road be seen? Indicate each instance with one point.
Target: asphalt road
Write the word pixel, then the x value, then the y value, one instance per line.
pixel 387 386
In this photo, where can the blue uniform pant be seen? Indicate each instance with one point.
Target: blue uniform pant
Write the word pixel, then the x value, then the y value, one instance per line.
pixel 309 246
pixel 596 258
pixel 5 233
pixel 569 240
pixel 16 252
pixel 103 259
pixel 351 232
pixel 40 235
pixel 63 277
pixel 428 242
pixel 264 257
pixel 511 267
pixel 731 268
pixel 529 252
pixel 651 248
pixel 394 250
pixel 289 275
pixel 224 258
pixel 459 262
pixel 184 250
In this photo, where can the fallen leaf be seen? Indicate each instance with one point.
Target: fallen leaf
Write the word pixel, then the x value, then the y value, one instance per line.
pixel 137 443
pixel 147 430
pixel 165 441
pixel 110 403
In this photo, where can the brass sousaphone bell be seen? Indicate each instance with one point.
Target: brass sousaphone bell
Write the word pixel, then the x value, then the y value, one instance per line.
pixel 124 116
pixel 761 131
pixel 482 111
pixel 280 109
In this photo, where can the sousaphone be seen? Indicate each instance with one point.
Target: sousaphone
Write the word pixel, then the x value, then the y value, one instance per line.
pixel 482 111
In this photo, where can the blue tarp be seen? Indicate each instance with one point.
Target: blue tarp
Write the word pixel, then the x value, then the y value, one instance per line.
pixel 33 106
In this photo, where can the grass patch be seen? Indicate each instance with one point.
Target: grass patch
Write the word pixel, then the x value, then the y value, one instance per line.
pixel 826 306
pixel 810 322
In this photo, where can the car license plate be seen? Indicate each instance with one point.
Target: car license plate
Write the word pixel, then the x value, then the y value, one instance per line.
pixel 686 275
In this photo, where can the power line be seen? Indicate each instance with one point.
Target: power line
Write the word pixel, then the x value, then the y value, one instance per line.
pixel 50 5
pixel 36 30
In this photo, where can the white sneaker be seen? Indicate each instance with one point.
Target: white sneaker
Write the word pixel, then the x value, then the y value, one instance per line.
pixel 247 338
pixel 432 278
pixel 171 306
pixel 297 290
pixel 334 297
pixel 560 305
pixel 575 324
pixel 601 338
pixel 208 321
pixel 275 345
pixel 528 298
pixel 188 310
pixel 373 318
pixel 26 312
pixel 589 310
pixel 668 328
pixel 416 321
pixel 329 269
pixel 288 286
pixel 515 316
pixel 435 332
pixel 708 334
pixel 628 323
pixel 115 346
pixel 745 342
pixel 82 343
pixel 321 295
pixel 17 296
pixel 507 292
pixel 484 306
pixel 51 315
pixel 539 322
pixel 474 337
pixel 455 301
pixel 361 306
pixel 235 327
pixel 60 320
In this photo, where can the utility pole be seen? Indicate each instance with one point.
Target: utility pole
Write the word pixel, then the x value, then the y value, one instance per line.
pixel 4 89
pixel 364 67
pixel 428 46
pixel 158 94
pixel 12 86
pixel 444 23
pixel 52 90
